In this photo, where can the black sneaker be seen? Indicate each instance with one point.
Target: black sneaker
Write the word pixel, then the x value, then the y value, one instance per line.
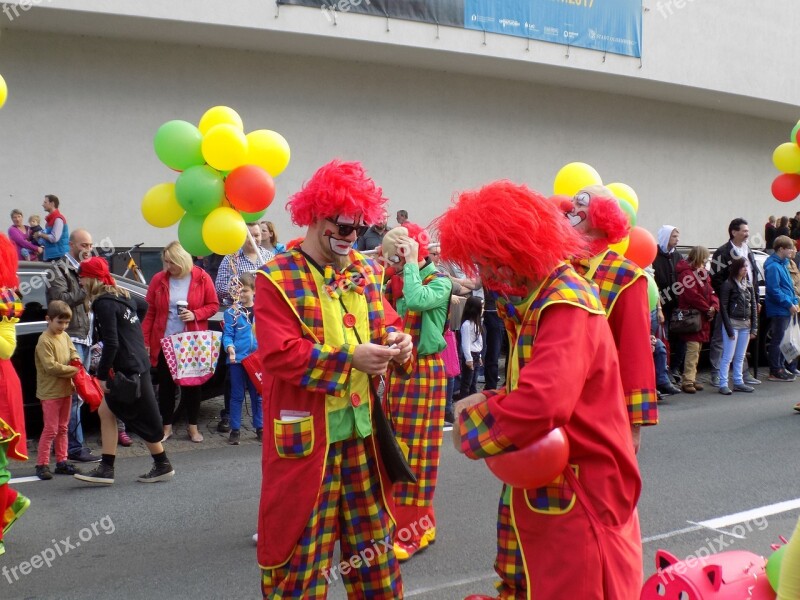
pixel 233 439
pixel 43 472
pixel 780 376
pixel 260 434
pixel 84 455
pixel 159 472
pixel 224 425
pixel 668 389
pixel 65 468
pixel 102 473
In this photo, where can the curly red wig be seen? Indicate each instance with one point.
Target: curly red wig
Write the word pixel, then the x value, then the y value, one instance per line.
pixel 505 225
pixel 337 188
pixel 419 235
pixel 606 215
pixel 8 263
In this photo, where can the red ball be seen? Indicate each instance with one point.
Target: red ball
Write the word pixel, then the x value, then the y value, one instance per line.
pixel 249 188
pixel 786 186
pixel 642 248
pixel 535 465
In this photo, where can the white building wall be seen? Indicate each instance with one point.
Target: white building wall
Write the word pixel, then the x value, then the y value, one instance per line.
pixel 82 113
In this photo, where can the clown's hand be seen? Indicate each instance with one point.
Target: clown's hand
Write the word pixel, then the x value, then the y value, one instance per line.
pixel 403 342
pixel 408 248
pixel 467 402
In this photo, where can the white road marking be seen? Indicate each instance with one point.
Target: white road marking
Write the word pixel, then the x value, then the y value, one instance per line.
pixel 457 583
pixel 24 479
pixel 734 519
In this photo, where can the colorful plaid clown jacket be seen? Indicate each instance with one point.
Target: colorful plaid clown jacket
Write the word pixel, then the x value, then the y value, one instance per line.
pixel 562 372
pixel 307 379
pixel 623 292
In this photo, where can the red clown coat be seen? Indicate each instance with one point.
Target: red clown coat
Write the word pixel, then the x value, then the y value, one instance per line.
pixel 299 371
pixel 579 535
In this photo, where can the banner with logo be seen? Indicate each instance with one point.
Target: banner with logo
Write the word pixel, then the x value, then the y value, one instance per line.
pixel 605 25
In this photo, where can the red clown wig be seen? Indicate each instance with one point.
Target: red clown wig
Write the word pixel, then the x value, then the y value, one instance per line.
pixel 338 188
pixel 507 225
pixel 419 235
pixel 8 263
pixel 606 215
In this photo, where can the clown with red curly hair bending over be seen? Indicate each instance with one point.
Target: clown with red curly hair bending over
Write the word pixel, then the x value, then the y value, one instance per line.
pixel 575 536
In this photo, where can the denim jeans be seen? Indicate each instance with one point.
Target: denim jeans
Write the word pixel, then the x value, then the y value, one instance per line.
pixel 75 431
pixel 733 349
pixel 660 360
pixel 494 344
pixel 240 381
pixel 777 327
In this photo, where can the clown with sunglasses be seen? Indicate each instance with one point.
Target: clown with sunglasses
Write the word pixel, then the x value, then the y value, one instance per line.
pixel 324 337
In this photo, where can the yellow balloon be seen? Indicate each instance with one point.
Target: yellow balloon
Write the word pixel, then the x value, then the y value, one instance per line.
pixel 3 91
pixel 621 247
pixel 224 231
pixel 220 115
pixel 160 207
pixel 622 191
pixel 225 147
pixel 269 150
pixel 574 177
pixel 787 158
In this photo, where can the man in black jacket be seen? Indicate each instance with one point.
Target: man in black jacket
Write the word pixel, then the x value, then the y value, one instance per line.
pixel 738 233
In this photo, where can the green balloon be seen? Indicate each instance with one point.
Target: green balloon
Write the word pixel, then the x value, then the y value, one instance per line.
pixel 190 235
pixel 774 567
pixel 652 291
pixel 795 131
pixel 628 208
pixel 178 145
pixel 200 190
pixel 253 217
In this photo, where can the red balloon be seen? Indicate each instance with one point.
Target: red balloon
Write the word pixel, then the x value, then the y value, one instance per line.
pixel 249 188
pixel 786 187
pixel 642 248
pixel 535 465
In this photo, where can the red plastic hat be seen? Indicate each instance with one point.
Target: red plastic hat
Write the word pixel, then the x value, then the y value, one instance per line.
pixel 97 268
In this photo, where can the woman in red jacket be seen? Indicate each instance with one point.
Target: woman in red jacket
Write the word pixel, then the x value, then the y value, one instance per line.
pixel 696 293
pixel 180 297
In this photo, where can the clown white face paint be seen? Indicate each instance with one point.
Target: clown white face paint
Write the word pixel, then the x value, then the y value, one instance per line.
pixel 341 232
pixel 580 210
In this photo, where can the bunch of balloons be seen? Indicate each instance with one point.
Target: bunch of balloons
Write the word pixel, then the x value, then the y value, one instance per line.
pixel 225 181
pixel 3 91
pixel 639 246
pixel 786 159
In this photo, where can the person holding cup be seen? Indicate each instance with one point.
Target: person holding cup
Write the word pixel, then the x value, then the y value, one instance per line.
pixel 180 297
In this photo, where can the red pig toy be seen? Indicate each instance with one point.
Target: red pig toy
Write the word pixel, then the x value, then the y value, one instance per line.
pixel 734 575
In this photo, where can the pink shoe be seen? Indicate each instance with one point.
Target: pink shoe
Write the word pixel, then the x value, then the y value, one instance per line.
pixel 124 439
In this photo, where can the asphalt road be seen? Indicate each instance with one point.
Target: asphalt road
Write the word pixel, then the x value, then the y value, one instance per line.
pixel 711 457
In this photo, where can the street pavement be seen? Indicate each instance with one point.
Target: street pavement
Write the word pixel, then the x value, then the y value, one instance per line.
pixel 712 457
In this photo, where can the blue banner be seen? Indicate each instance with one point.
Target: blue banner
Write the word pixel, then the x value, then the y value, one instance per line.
pixel 605 25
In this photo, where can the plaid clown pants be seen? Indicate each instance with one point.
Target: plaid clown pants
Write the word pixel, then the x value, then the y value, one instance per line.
pixel 417 411
pixel 350 509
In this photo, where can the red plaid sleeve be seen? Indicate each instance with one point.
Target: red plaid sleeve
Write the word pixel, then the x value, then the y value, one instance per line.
pixel 480 435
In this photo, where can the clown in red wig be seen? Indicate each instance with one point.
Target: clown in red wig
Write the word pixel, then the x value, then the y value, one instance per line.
pixel 596 214
pixel 555 541
pixel 421 295
pixel 323 334
pixel 13 443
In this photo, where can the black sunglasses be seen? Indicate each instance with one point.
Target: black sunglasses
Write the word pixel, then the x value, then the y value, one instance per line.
pixel 344 230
